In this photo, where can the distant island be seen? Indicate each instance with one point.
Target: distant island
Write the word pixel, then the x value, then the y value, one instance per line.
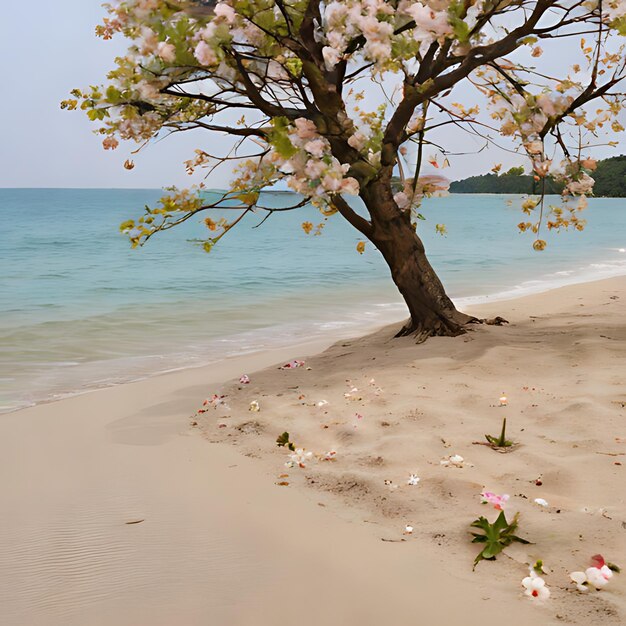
pixel 610 177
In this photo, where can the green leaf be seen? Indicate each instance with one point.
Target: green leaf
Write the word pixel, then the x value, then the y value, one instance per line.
pixel 501 441
pixel 461 29
pixel 283 442
pixel 294 66
pixel 496 536
pixel 619 25
pixel 113 95
pixel 279 138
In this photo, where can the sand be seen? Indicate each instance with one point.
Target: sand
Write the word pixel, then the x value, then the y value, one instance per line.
pixel 218 540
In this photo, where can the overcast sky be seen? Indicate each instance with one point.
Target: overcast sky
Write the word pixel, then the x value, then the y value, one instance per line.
pixel 50 48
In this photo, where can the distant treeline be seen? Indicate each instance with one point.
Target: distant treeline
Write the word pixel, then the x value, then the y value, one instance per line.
pixel 610 177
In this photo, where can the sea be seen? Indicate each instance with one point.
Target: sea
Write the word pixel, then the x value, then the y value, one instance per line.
pixel 81 310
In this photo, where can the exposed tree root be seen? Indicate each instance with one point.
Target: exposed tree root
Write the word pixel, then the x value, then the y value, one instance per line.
pixel 492 321
pixel 442 326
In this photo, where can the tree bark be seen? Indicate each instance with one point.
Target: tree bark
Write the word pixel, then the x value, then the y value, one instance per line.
pixel 431 310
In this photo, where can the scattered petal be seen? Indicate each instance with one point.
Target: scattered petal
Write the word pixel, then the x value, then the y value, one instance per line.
pixel 540 502
pixel 454 460
pixel 597 576
pixel 254 406
pixel 292 365
pixel 413 480
pixel 597 560
pixel 245 379
pixel 214 401
pixel 299 457
pixel 580 579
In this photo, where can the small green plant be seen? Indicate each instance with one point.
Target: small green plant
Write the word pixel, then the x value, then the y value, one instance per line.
pixel 496 536
pixel 283 442
pixel 501 441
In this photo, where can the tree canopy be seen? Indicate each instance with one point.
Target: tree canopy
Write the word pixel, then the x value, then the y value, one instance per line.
pixel 335 98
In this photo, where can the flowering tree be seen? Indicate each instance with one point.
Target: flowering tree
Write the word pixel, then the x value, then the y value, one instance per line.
pixel 347 97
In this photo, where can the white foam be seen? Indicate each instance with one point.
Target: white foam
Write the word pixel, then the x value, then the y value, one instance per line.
pixel 583 274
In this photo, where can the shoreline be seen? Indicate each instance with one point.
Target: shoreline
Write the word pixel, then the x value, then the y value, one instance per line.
pixel 525 289
pixel 125 506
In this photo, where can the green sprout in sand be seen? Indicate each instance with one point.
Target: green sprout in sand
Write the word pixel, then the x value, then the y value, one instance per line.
pixel 496 536
pixel 501 441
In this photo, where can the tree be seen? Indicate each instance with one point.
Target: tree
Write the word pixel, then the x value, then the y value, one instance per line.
pixel 610 177
pixel 508 183
pixel 515 171
pixel 335 98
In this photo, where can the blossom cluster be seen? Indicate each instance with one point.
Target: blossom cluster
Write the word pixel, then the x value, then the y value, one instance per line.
pixel 227 51
pixel 596 576
pixel 312 169
pixel 392 33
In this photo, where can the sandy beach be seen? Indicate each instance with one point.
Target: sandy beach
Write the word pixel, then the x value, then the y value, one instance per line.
pixel 127 506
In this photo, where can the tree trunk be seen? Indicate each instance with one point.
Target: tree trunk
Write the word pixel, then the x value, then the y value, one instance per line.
pixel 432 312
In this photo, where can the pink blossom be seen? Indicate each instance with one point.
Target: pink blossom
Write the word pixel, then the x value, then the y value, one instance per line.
pixel 350 186
pixel 583 185
pixel 332 56
pixel 166 51
pixel 430 24
pixel 314 169
pixel 316 147
pixel 205 54
pixel 305 129
pixel 401 199
pixel 377 50
pixel 331 183
pixel 226 11
pixel 357 141
pixel 147 90
pixel 498 502
pixel 149 41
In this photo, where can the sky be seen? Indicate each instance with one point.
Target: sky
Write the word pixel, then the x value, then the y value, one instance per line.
pixel 53 48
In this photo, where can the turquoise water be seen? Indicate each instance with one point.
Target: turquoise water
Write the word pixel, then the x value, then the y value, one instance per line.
pixel 79 309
